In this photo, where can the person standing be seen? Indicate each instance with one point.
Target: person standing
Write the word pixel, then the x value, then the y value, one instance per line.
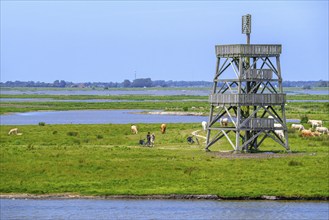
pixel 148 138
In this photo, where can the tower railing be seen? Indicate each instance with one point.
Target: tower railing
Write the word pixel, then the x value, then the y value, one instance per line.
pixel 247 99
pixel 252 50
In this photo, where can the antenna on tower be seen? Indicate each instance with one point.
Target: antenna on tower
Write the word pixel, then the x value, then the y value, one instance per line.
pixel 246 26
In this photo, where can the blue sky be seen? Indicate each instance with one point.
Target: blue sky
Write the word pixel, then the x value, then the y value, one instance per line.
pixel 102 41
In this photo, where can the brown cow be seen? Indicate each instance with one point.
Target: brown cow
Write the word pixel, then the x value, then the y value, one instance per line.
pixel 163 128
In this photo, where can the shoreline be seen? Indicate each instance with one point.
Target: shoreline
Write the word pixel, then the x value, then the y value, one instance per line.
pixel 65 196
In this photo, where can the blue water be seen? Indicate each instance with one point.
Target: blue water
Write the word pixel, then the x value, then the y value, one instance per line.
pixel 160 209
pixel 158 92
pixel 88 100
pixel 98 117
pixel 113 100
pixel 147 91
pixel 93 117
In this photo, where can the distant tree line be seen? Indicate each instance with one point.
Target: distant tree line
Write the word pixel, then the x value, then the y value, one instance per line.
pixel 145 82
pixel 305 84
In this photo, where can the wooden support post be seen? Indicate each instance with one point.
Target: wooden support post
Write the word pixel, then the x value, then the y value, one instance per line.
pixel 282 106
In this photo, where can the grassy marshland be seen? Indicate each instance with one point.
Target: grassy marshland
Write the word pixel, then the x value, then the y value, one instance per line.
pixel 314 110
pixel 107 160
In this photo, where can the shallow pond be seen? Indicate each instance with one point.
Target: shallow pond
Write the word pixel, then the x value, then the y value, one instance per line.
pixel 113 100
pixel 147 91
pixel 98 117
pixel 157 92
pixel 160 209
pixel 88 100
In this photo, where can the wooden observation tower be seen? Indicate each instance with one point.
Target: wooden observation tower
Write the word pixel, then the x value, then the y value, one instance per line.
pixel 247 103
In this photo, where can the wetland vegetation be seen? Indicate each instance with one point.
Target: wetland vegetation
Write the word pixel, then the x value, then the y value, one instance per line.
pixel 107 159
pixel 169 103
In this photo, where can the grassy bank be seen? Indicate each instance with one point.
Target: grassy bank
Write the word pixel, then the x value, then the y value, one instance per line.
pixel 107 160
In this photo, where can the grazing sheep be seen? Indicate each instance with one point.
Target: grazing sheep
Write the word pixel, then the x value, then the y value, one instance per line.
pixel 322 130
pixel 280 134
pixel 307 133
pixel 13 131
pixel 277 125
pixel 224 121
pixel 163 128
pixel 315 123
pixel 204 125
pixel 298 126
pixel 134 129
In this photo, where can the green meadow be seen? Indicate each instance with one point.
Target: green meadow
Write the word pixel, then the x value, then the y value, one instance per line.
pixel 108 160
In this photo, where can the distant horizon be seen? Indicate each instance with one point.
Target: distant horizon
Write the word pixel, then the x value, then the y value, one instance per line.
pixel 209 81
pixel 110 41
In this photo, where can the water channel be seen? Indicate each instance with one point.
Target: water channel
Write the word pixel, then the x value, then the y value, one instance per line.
pixel 99 117
pixel 160 209
pixel 113 100
pixel 146 91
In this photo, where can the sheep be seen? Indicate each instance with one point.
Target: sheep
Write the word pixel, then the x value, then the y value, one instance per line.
pixel 204 125
pixel 280 134
pixel 307 133
pixel 13 131
pixel 315 123
pixel 134 129
pixel 322 130
pixel 277 125
pixel 224 121
pixel 163 128
pixel 298 126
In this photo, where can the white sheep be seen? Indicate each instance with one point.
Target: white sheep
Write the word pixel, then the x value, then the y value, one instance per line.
pixel 13 131
pixel 224 121
pixel 298 126
pixel 277 125
pixel 280 134
pixel 322 130
pixel 315 123
pixel 134 129
pixel 204 125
